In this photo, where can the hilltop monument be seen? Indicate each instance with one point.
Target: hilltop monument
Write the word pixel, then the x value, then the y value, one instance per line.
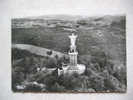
pixel 73 52
pixel 73 66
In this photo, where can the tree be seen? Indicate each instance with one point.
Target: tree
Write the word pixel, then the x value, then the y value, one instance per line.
pixel 57 57
pixel 51 63
pixel 49 52
pixel 82 22
pixel 17 76
pixel 50 80
pixel 99 57
pixel 97 83
pixel 57 88
pixel 70 82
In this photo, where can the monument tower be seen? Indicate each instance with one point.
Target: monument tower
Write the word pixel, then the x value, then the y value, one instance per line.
pixel 73 66
pixel 73 52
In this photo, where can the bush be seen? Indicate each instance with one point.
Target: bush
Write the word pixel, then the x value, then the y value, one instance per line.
pixel 51 63
pixel 32 87
pixel 50 80
pixel 57 88
pixel 82 22
pixel 49 53
pixel 70 82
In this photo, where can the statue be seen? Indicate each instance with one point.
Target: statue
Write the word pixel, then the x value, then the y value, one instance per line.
pixel 72 41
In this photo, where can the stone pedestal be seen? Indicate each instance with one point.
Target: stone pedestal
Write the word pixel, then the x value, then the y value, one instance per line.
pixel 73 58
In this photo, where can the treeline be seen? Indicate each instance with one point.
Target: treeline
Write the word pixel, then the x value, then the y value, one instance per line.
pixel 101 74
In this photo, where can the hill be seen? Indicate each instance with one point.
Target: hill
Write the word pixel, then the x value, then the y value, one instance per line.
pixel 38 50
